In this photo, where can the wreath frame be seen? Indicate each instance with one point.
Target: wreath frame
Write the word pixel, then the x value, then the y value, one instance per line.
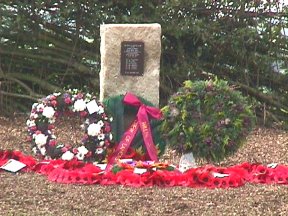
pixel 118 111
pixel 97 138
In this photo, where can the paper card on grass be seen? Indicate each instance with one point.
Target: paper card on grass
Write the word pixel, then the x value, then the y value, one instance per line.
pixel 139 170
pixel 220 175
pixel 92 107
pixel 13 165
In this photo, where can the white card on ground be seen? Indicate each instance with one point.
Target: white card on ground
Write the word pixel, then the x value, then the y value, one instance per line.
pixel 101 166
pixel 126 160
pixel 272 165
pixel 220 175
pixel 92 107
pixel 139 170
pixel 13 165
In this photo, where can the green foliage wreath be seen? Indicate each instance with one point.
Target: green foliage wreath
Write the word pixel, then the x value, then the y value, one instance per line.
pixel 208 118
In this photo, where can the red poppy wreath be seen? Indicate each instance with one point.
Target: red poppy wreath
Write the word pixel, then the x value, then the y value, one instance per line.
pixel 97 137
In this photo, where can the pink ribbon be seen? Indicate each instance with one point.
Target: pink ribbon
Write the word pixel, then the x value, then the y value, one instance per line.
pixel 142 122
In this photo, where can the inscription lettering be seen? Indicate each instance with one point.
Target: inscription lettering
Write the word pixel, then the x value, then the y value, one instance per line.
pixel 132 58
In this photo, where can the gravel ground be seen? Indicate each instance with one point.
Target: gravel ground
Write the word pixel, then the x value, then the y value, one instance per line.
pixel 33 194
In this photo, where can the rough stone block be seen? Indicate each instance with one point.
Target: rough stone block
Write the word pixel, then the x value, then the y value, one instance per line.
pixel 111 81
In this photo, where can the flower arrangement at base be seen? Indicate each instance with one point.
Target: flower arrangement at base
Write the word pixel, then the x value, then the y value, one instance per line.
pixel 141 166
pixel 208 118
pixel 96 124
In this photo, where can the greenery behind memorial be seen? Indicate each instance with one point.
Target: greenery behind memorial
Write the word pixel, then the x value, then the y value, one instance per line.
pixel 48 45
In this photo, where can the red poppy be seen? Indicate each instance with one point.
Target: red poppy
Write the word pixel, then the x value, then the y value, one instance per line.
pixel 73 164
pixel 158 178
pixel 233 181
pixel 145 179
pixel 261 169
pixel 127 177
pixel 108 179
pixel 44 168
pixel 53 175
pixel 171 178
pixel 191 178
pixel 216 182
pixel 204 178
pixel 29 161
pixel 90 168
pixel 65 177
pixel 280 174
pixel 259 174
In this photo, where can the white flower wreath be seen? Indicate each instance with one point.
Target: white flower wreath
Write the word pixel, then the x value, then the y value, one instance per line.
pixel 97 137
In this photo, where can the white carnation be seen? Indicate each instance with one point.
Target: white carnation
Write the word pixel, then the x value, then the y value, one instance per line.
pixel 101 136
pixel 99 151
pixel 48 112
pixel 40 107
pixel 101 123
pixel 34 149
pixel 52 120
pixel 79 105
pixel 34 116
pixel 42 150
pixel 68 155
pixel 40 139
pixel 93 129
pixel 34 105
pixel 82 151
pixel 30 123
pixel 100 110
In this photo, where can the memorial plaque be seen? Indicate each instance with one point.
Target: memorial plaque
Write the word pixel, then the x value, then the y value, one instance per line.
pixel 132 58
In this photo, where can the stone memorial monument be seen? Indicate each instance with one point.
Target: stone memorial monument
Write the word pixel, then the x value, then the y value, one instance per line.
pixel 130 60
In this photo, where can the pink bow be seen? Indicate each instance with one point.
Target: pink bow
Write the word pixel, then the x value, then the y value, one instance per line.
pixel 142 122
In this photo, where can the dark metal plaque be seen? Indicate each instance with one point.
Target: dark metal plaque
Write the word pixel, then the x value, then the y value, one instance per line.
pixel 132 58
